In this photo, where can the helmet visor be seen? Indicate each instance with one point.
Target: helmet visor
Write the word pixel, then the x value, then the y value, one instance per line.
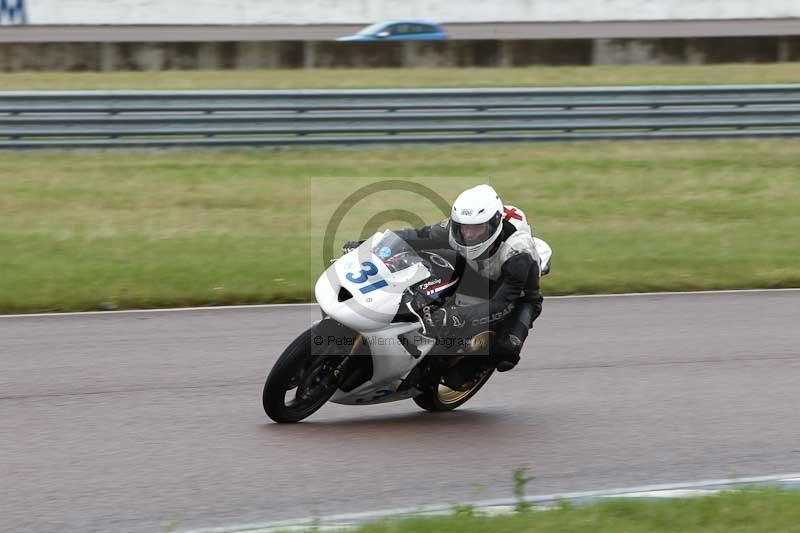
pixel 473 234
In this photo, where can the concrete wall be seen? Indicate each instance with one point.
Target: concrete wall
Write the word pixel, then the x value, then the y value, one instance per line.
pixel 314 54
pixel 365 11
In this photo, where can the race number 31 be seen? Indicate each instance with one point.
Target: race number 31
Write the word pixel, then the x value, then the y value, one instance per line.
pixel 368 269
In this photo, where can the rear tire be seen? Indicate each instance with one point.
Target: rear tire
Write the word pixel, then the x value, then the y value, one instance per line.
pixel 443 398
pixel 297 368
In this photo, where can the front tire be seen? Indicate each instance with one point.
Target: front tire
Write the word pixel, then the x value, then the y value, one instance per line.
pixel 443 398
pixel 298 370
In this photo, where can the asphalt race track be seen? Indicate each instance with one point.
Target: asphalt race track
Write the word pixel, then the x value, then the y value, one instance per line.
pixel 151 421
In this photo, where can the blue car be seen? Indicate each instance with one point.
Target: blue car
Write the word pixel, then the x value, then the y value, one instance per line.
pixel 400 30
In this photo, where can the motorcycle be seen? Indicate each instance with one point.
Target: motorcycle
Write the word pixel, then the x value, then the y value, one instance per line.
pixel 371 345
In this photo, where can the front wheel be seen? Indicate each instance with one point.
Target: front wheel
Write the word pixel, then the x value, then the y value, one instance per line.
pixel 299 383
pixel 443 398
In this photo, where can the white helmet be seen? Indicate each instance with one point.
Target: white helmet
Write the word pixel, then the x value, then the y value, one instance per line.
pixel 476 221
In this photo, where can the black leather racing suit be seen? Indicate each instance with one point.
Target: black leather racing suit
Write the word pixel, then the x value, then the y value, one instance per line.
pixel 514 301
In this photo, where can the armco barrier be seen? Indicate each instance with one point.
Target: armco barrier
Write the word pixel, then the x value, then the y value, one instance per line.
pixel 254 118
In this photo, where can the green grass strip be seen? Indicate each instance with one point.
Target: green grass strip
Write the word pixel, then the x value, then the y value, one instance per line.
pixel 748 511
pixel 538 76
pixel 96 230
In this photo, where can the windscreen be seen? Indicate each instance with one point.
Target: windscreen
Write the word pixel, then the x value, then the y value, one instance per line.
pixel 395 253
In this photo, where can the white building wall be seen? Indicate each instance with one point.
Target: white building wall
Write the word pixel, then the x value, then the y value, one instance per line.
pixel 366 11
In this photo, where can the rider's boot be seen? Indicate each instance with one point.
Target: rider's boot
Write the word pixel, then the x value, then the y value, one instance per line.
pixel 506 353
pixel 510 338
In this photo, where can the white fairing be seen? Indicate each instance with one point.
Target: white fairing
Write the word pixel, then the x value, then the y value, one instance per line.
pixel 376 298
pixel 391 362
pixel 367 310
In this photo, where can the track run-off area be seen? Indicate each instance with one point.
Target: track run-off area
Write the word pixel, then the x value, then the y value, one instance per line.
pixel 148 421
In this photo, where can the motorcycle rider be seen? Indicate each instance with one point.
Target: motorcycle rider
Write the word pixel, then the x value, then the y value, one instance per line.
pixel 496 260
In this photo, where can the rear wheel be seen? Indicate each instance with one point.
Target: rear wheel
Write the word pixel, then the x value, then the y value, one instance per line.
pixel 443 398
pixel 300 382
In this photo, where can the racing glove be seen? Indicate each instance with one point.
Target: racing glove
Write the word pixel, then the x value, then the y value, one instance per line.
pixel 349 246
pixel 434 317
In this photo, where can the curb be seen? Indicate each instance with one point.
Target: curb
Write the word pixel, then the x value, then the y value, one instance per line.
pixel 506 506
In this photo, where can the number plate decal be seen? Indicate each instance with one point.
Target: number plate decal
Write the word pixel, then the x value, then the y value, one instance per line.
pixel 368 269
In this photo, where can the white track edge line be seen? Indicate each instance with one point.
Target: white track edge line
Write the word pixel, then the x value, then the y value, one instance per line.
pixel 708 484
pixel 306 304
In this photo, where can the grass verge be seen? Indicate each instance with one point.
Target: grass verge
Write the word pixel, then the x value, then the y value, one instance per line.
pixel 538 76
pixel 755 511
pixel 102 230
